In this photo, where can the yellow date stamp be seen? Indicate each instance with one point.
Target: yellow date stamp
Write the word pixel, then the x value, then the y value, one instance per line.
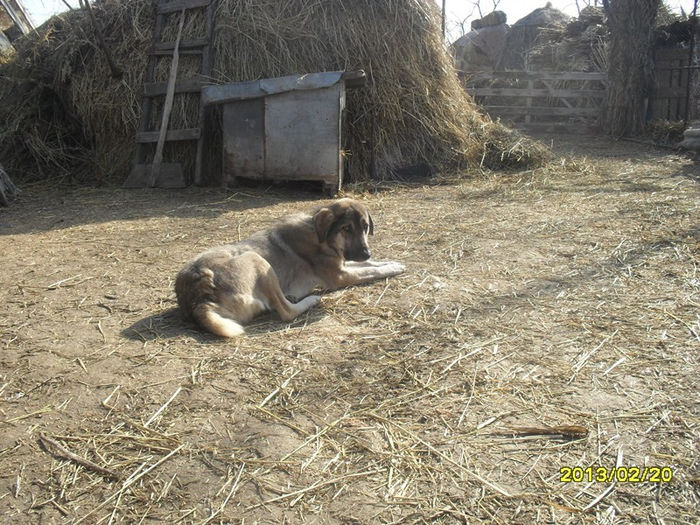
pixel 620 474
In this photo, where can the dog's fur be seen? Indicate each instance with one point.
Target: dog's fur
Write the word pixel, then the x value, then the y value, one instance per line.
pixel 276 269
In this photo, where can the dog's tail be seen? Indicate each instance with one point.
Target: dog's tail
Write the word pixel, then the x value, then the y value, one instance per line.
pixel 209 319
pixel 196 295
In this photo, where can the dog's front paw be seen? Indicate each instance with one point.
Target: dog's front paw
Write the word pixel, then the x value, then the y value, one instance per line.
pixel 393 268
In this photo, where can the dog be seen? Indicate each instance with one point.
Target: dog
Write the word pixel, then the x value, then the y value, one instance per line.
pixel 276 269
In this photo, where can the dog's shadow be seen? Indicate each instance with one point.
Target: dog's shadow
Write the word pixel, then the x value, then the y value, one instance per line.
pixel 170 324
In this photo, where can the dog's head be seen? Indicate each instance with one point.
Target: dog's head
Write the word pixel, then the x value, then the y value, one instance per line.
pixel 344 226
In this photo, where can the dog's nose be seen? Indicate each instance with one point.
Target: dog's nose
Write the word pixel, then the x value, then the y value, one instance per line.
pixel 364 254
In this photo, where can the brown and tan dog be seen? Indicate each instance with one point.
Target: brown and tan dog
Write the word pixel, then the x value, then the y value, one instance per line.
pixel 276 269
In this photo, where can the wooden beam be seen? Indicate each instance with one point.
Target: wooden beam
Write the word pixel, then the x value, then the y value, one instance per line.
pixel 534 75
pixel 178 5
pixel 205 69
pixel 145 137
pixel 184 45
pixel 536 92
pixel 21 25
pixel 167 106
pixel 154 89
pixel 542 110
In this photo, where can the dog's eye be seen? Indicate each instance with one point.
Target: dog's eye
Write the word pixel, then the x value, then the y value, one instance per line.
pixel 347 228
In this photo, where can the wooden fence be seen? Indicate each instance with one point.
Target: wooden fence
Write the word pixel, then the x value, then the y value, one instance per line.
pixel 673 97
pixel 545 101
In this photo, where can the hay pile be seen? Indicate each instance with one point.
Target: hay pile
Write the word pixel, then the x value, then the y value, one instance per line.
pixel 665 132
pixel 579 45
pixel 482 47
pixel 67 114
pixel 542 24
pixel 548 40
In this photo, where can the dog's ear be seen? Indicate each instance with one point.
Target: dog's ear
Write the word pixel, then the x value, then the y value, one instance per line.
pixel 323 221
pixel 371 224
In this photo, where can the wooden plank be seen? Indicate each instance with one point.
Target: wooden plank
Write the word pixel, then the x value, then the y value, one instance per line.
pixel 167 47
pixel 558 127
pixel 190 85
pixel 528 102
pixel 178 5
pixel 243 125
pixel 145 137
pixel 548 85
pixel 205 69
pixel 310 117
pixel 167 105
pixel 675 67
pixel 147 102
pixel 670 92
pixel 536 92
pixel 664 54
pixel 542 110
pixel 18 21
pixel 197 46
pixel 536 75
pixel 530 107
pixel 166 53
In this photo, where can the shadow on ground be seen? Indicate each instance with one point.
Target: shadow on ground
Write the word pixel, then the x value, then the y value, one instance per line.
pixel 170 324
pixel 70 206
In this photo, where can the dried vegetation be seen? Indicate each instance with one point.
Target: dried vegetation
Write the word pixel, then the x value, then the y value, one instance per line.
pixel 68 115
pixel 547 319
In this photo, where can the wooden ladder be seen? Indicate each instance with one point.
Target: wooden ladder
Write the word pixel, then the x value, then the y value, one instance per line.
pixel 158 173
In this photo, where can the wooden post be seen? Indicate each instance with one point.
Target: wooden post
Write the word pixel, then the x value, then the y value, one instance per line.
pixel 443 18
pixel 116 72
pixel 691 71
pixel 167 106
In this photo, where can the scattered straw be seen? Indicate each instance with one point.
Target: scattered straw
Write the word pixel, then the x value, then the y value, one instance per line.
pixel 56 448
pixel 451 399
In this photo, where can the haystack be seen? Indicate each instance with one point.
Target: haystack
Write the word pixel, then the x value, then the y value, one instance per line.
pixel 579 45
pixel 528 31
pixel 481 48
pixel 67 113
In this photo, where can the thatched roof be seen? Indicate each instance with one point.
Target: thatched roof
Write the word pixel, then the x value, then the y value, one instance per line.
pixel 67 113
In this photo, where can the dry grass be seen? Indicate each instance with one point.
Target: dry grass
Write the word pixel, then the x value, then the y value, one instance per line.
pixel 67 114
pixel 665 132
pixel 548 318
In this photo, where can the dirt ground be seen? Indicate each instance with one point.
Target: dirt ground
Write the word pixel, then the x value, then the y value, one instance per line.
pixel 547 319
